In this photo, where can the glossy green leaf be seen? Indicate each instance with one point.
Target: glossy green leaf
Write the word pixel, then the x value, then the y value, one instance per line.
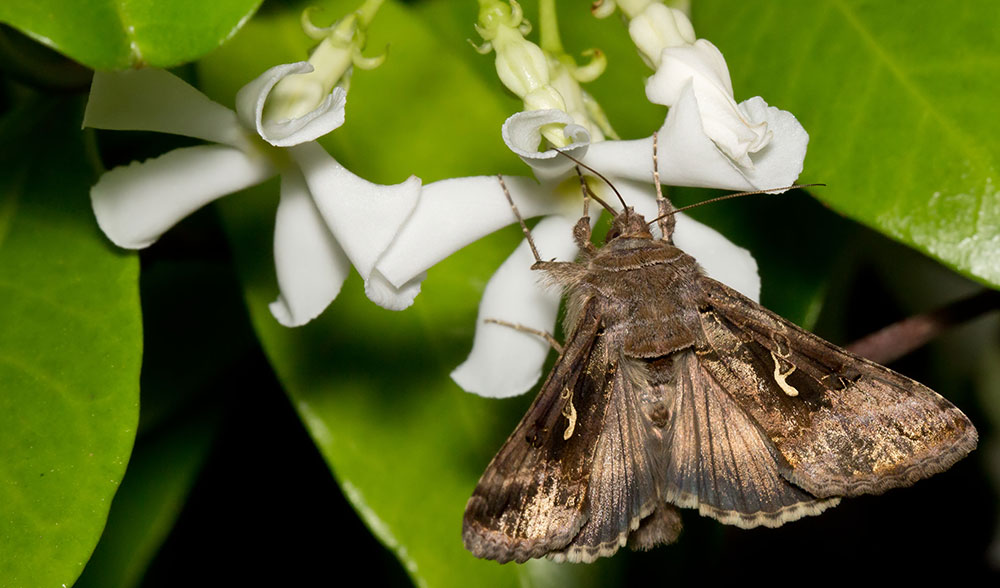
pixel 188 315
pixel 899 100
pixel 117 34
pixel 160 476
pixel 70 351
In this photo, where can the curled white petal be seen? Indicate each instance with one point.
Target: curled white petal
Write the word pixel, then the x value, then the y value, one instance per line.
pixel 156 100
pixel 251 99
pixel 455 212
pixel 701 63
pixel 688 157
pixel 522 133
pixel 380 291
pixel 310 265
pixel 780 162
pixel 721 259
pixel 504 361
pixel 703 67
pixel 364 217
pixel 137 203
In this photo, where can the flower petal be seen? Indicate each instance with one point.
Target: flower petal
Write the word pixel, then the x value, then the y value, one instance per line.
pixel 780 162
pixel 504 361
pixel 703 65
pixel 310 265
pixel 137 203
pixel 688 157
pixel 324 118
pixel 721 259
pixel 380 291
pixel 522 133
pixel 156 100
pixel 453 213
pixel 364 217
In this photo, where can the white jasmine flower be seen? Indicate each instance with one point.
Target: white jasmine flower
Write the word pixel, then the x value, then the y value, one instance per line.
pixel 327 220
pixel 706 140
pixel 453 213
pixel 693 71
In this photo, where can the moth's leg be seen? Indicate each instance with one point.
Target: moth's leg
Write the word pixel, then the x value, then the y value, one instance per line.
pixel 581 231
pixel 665 219
pixel 520 219
pixel 518 327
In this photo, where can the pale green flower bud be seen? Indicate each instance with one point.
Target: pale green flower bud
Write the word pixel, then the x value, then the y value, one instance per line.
pixel 656 28
pixel 332 60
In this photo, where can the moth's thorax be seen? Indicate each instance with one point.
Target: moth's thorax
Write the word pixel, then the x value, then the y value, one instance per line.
pixel 648 291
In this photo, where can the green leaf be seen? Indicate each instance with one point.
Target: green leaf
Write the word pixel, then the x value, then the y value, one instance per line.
pixel 70 351
pixel 899 100
pixel 160 475
pixel 117 34
pixel 180 407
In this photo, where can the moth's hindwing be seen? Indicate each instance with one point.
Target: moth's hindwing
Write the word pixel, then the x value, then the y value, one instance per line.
pixel 623 487
pixel 843 424
pixel 720 461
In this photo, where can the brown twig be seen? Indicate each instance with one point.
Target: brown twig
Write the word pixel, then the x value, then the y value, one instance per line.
pixel 898 339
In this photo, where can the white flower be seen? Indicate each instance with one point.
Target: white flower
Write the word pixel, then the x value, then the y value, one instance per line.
pixel 706 140
pixel 327 219
pixel 761 142
pixel 455 212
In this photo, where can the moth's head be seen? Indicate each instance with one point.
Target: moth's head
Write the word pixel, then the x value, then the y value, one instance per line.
pixel 628 223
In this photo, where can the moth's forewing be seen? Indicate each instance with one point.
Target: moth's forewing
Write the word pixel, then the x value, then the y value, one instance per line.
pixel 579 472
pixel 530 501
pixel 845 425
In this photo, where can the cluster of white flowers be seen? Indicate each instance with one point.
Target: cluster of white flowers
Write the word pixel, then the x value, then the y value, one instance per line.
pixel 329 219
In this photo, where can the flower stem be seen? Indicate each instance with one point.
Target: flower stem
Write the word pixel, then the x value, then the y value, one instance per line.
pixel 548 28
pixel 366 12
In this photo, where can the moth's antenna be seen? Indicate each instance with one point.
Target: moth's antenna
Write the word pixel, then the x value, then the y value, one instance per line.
pixel 731 196
pixel 520 219
pixel 600 175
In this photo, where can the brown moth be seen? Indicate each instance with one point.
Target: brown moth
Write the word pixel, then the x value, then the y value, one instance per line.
pixel 675 391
